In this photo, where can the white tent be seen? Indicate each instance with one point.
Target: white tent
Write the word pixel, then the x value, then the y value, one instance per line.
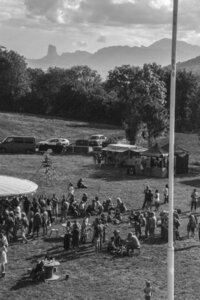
pixel 11 186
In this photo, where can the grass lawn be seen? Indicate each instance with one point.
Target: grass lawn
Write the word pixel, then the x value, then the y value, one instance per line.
pixel 97 276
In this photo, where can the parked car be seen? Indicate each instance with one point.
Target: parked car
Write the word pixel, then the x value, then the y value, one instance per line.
pixel 18 144
pixel 55 144
pixel 98 138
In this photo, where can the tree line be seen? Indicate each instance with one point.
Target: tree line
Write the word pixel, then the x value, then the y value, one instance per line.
pixel 135 97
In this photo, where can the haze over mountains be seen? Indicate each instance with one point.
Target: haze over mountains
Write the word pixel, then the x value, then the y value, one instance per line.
pixel 106 59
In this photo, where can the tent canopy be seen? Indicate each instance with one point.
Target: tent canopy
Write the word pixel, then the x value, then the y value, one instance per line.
pixel 11 186
pixel 177 149
pixel 123 148
pixel 155 151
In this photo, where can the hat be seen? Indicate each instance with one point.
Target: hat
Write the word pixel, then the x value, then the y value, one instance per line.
pixel 116 231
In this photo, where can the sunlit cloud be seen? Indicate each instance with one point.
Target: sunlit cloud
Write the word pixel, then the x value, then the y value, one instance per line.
pixel 138 22
pixel 81 44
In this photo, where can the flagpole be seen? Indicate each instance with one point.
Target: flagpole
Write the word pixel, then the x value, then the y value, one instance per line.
pixel 170 286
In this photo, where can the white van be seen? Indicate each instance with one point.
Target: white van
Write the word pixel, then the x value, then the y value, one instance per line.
pixel 18 144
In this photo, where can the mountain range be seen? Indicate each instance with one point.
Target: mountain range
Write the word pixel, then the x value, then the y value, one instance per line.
pixel 108 58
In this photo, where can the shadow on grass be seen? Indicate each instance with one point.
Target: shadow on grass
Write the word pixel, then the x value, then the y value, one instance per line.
pixel 83 251
pixel 24 282
pixel 60 254
pixel 187 248
pixel 194 182
pixel 114 174
pixel 185 214
pixel 53 239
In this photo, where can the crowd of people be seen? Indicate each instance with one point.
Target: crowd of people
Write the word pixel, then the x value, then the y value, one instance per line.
pixel 28 218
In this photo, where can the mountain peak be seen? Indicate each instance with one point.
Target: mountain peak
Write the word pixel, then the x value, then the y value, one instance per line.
pixel 161 43
pixel 108 58
pixel 52 51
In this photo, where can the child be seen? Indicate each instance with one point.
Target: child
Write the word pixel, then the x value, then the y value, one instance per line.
pixel 3 260
pixel 148 291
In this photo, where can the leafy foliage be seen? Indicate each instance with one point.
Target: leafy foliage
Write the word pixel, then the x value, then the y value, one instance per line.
pixel 142 95
pixel 13 79
pixel 137 98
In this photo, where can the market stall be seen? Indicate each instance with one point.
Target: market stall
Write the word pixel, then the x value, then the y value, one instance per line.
pixel 181 159
pixel 155 162
pixel 123 155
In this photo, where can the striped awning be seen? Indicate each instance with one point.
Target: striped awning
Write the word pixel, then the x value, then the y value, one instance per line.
pixel 11 186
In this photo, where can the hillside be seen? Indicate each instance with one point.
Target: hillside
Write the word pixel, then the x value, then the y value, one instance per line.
pixel 106 59
pixel 47 127
pixel 97 276
pixel 191 65
pixel 43 127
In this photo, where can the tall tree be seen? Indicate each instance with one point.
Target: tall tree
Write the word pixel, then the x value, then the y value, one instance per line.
pixel 186 96
pixel 13 79
pixel 142 97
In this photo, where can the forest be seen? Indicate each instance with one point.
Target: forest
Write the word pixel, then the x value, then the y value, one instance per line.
pixel 133 97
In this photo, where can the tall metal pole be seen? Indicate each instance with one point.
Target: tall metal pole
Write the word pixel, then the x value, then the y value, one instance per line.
pixel 170 287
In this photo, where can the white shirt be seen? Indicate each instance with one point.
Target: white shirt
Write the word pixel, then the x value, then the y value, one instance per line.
pixel 3 257
pixel 157 197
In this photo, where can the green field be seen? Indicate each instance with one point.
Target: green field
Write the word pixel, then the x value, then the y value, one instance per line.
pixel 97 276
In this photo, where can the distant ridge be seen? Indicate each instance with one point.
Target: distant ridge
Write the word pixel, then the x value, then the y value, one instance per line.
pixel 107 58
pixel 191 65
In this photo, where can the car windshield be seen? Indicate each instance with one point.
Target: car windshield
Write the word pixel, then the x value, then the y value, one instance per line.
pixel 94 137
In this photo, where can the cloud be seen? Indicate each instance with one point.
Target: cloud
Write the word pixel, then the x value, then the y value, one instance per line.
pixel 101 39
pixel 123 13
pixel 110 13
pixel 87 23
pixel 80 44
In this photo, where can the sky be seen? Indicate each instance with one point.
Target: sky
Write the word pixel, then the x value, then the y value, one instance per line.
pixel 29 26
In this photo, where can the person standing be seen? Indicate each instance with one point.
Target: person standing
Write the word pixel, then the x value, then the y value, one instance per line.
pixel 30 217
pixel 44 217
pixel 148 291
pixel 145 197
pixel 55 206
pixel 3 239
pixel 24 224
pixel 37 222
pixel 157 200
pixel 3 260
pixel 49 208
pixel 26 205
pixel 194 199
pixel 166 194
pixel 149 200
